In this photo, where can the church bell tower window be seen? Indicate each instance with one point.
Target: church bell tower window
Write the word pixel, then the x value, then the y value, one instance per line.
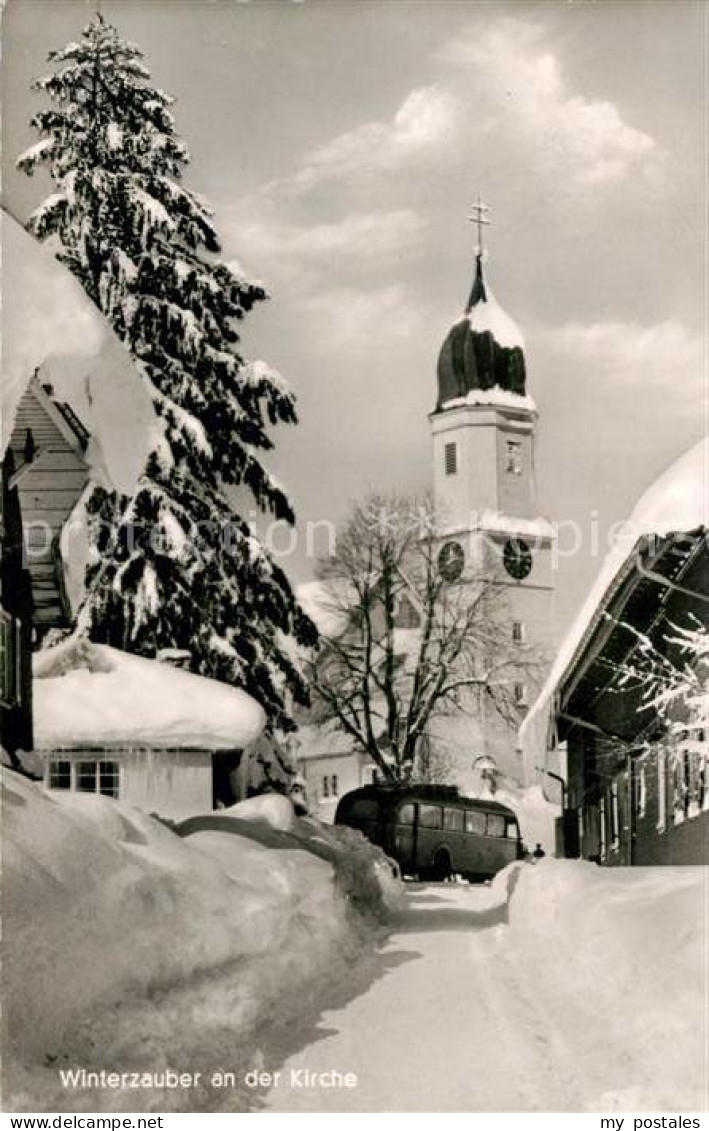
pixel 514 457
pixel 451 459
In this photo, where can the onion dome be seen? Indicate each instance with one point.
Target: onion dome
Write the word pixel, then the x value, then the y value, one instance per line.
pixel 484 350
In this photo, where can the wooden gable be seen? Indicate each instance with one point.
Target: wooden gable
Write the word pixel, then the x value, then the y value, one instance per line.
pixel 48 443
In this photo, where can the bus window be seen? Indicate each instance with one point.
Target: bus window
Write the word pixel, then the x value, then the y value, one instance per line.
pixel 495 824
pixel 365 809
pixel 512 830
pixel 453 820
pixel 430 816
pixel 475 822
pixel 405 816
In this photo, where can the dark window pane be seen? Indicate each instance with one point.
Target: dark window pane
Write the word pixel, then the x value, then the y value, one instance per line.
pixel 431 816
pixel 475 822
pixel 108 778
pixel 60 775
pixel 86 777
pixel 365 809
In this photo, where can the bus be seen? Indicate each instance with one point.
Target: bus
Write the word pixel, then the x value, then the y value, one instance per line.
pixel 433 832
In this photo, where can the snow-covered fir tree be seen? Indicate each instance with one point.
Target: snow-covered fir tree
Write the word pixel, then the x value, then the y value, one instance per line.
pixel 174 566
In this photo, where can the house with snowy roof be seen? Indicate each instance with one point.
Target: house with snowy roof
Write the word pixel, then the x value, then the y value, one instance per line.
pixel 142 731
pixel 47 319
pixel 625 704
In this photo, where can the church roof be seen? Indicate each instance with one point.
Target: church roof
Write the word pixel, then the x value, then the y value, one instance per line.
pixel 484 350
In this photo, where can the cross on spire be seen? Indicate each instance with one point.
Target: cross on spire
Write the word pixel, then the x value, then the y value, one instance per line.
pixel 479 217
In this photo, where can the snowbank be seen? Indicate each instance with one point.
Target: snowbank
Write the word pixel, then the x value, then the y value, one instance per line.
pixel 92 695
pixel 621 951
pixel 272 809
pixel 106 911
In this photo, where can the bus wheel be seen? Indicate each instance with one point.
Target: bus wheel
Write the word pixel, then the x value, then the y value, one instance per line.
pixel 441 865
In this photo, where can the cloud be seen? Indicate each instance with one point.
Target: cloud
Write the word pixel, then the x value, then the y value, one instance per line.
pixel 349 317
pixel 523 100
pixel 359 235
pixel 425 120
pixel 632 359
pixel 655 353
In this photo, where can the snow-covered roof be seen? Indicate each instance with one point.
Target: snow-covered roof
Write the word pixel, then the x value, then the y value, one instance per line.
pixel 496 522
pixel 482 357
pixel 487 316
pixel 49 323
pixel 92 696
pixel 677 502
pixel 322 740
pixel 495 398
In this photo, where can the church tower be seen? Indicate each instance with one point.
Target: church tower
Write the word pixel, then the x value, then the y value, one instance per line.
pixel 483 429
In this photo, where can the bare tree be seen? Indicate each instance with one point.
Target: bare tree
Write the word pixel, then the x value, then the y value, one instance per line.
pixel 406 645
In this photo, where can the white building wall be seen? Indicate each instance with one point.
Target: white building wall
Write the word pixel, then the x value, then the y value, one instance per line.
pixel 350 769
pixel 172 783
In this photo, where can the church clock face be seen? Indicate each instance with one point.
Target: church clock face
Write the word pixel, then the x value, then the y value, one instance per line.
pixel 517 558
pixel 451 560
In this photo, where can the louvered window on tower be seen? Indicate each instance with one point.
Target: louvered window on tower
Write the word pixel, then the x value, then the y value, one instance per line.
pixel 451 459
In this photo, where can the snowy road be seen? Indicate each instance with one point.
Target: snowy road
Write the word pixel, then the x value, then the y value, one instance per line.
pixel 451 1022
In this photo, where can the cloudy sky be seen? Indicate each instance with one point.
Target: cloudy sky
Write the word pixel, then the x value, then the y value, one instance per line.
pixel 342 143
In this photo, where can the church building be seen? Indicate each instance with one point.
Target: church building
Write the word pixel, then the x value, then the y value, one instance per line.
pixel 484 486
pixel 488 528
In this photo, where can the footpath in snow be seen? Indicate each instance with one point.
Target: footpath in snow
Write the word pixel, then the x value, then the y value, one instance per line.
pixel 585 993
pixel 129 950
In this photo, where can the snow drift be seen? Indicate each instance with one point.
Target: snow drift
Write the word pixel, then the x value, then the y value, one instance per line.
pixel 620 955
pixel 106 911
